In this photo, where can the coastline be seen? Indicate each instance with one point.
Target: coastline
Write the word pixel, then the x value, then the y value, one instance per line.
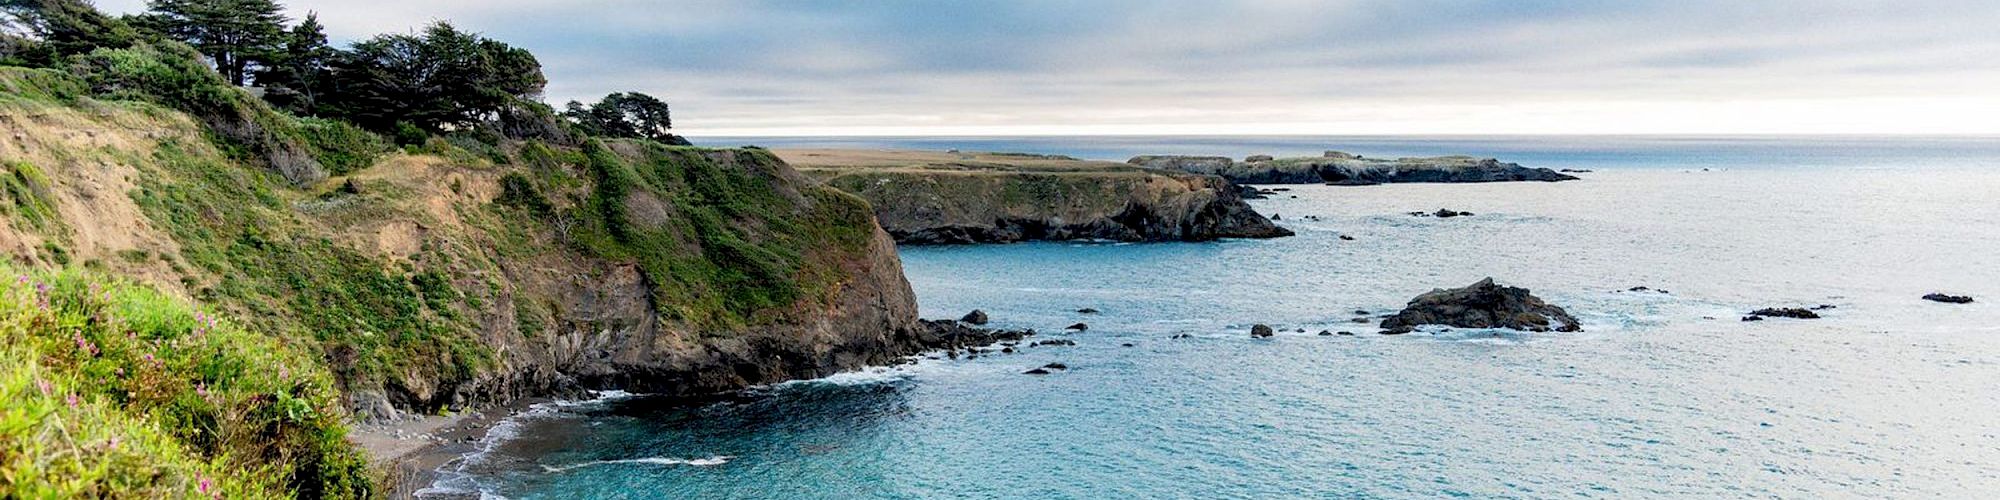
pixel 407 454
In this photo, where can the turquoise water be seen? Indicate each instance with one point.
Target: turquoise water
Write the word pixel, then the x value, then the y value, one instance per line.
pixel 1663 395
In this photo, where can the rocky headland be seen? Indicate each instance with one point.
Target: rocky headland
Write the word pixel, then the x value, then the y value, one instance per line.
pixel 1339 168
pixel 923 197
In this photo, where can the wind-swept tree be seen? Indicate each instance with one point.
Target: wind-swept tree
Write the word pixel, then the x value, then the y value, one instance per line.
pixel 625 114
pixel 295 74
pixel 442 78
pixel 234 34
pixel 40 32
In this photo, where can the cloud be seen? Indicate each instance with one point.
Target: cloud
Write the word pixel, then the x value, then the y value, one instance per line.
pixel 1295 66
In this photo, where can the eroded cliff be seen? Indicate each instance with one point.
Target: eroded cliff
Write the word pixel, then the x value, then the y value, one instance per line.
pixel 949 197
pixel 461 274
pixel 1345 169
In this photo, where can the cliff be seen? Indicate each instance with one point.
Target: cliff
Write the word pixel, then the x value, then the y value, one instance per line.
pixel 950 197
pixel 1346 169
pixel 461 273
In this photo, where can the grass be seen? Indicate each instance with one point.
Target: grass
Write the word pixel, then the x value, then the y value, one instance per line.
pixel 371 317
pixel 110 389
pixel 28 198
pixel 722 247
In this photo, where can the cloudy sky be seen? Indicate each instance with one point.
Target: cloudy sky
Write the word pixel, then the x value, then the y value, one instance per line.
pixel 752 67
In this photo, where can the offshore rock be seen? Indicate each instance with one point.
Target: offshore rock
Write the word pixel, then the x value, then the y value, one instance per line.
pixel 1482 305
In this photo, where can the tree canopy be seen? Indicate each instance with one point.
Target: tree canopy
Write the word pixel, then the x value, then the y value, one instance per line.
pixel 441 78
pixel 624 114
pixel 234 34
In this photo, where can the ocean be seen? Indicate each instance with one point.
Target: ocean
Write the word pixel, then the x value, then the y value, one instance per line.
pixel 1666 392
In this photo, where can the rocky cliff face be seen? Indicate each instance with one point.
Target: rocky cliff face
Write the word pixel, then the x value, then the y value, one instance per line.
pixel 1345 169
pixel 990 200
pixel 451 280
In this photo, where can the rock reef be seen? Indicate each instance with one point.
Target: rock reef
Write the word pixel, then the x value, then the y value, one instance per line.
pixel 1482 305
pixel 1339 168
pixel 958 198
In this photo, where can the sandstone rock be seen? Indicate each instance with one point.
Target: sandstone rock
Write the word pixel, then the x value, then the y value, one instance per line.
pixel 1482 305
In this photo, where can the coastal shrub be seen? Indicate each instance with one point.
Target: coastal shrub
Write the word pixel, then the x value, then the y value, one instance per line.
pixel 173 75
pixel 29 198
pixel 518 191
pixel 114 389
pixel 43 85
pixel 340 146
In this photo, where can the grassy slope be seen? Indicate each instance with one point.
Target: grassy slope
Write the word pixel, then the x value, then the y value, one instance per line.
pixel 726 240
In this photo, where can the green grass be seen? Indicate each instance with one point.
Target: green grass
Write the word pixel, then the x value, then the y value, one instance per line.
pixel 729 249
pixel 29 200
pixel 116 390
pixel 372 318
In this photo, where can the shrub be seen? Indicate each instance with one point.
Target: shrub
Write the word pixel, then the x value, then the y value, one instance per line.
pixel 342 147
pixel 113 389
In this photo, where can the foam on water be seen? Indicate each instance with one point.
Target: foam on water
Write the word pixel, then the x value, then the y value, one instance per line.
pixel 699 462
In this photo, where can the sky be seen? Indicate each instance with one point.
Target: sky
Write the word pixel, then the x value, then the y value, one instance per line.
pixel 1221 67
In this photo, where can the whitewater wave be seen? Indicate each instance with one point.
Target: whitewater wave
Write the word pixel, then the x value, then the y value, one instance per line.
pixel 661 461
pixel 453 478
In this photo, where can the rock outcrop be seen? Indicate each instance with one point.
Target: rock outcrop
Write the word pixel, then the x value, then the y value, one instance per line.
pixel 1785 312
pixel 1948 299
pixel 921 198
pixel 1482 305
pixel 1344 169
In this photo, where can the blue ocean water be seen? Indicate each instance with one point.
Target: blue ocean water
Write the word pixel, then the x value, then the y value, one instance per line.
pixel 1663 395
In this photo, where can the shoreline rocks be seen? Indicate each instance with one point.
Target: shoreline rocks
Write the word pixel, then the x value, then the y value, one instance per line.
pixel 1481 305
pixel 976 317
pixel 1261 331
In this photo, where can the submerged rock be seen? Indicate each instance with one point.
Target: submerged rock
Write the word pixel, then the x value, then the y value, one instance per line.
pixel 1055 366
pixel 1482 305
pixel 1948 299
pixel 1261 331
pixel 1037 371
pixel 976 317
pixel 1786 312
pixel 1078 327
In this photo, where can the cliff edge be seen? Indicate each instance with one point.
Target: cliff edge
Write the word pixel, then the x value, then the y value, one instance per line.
pixel 925 197
pixel 1345 169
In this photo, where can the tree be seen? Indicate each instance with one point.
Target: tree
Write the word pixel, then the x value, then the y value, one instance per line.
pixel 625 114
pixel 295 75
pixel 42 32
pixel 443 78
pixel 234 34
